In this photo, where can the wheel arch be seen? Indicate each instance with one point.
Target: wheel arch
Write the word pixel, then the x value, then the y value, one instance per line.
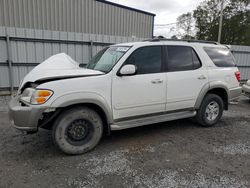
pixel 91 100
pixel 219 88
pixel 96 108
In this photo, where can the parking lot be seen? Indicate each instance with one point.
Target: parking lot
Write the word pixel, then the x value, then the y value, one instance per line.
pixel 172 154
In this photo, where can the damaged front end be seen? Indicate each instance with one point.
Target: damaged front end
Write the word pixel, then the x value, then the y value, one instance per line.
pixel 26 110
pixel 29 109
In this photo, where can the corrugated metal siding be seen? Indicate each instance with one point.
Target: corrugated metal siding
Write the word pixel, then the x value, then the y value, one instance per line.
pixel 83 16
pixel 25 54
pixel 242 56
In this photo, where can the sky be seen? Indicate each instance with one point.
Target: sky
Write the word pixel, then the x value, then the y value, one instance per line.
pixel 166 11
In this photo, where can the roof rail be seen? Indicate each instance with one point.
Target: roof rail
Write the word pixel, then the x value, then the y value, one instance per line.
pixel 160 38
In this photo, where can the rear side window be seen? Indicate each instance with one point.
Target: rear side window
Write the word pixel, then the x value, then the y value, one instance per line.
pixel 181 58
pixel 221 57
pixel 146 59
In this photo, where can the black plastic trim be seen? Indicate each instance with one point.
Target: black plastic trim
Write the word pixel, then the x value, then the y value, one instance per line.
pixel 157 39
pixel 152 114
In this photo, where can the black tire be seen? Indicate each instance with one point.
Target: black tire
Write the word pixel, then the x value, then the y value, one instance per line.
pixel 206 119
pixel 77 130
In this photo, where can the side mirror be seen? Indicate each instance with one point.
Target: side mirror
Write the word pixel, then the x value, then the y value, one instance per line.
pixel 127 70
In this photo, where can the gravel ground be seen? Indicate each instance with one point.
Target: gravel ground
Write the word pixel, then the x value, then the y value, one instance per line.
pixel 172 154
pixel 4 103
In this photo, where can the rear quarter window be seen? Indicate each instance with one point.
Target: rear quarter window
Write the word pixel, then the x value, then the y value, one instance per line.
pixel 221 57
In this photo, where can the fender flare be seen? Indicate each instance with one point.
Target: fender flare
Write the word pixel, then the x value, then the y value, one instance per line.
pixel 206 88
pixel 84 97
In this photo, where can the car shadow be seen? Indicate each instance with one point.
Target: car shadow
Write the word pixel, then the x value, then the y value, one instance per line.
pixel 41 144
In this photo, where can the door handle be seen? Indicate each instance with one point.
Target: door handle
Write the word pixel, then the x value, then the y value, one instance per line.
pixel 157 81
pixel 202 77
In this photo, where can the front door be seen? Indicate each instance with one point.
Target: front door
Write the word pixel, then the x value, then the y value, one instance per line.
pixel 143 93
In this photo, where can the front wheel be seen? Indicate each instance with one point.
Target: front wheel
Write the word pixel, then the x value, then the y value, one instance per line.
pixel 210 110
pixel 77 130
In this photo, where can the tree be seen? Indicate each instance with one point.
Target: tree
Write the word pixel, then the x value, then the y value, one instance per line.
pixel 185 26
pixel 236 21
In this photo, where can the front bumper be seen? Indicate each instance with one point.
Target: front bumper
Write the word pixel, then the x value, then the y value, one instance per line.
pixel 24 118
pixel 235 93
pixel 246 90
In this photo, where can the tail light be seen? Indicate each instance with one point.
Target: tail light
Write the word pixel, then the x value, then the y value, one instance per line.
pixel 237 75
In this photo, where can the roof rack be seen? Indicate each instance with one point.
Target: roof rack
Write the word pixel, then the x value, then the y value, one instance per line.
pixel 160 38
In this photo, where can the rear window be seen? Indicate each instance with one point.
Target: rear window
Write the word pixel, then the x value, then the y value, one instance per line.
pixel 221 57
pixel 182 58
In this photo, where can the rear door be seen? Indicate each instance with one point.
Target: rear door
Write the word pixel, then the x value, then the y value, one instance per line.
pixel 186 76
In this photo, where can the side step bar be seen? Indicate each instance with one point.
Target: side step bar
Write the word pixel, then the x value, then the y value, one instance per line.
pixel 151 120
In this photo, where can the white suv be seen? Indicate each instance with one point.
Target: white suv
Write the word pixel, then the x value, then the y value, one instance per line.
pixel 124 86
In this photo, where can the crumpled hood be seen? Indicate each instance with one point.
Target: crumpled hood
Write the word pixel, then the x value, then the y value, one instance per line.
pixel 57 66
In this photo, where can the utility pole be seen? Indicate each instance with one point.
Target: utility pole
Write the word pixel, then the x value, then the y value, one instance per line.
pixel 189 27
pixel 221 18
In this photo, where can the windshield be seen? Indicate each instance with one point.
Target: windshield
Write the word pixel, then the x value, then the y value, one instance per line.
pixel 107 58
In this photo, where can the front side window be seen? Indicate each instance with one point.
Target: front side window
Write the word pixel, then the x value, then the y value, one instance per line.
pixel 181 58
pixel 221 57
pixel 146 59
pixel 106 59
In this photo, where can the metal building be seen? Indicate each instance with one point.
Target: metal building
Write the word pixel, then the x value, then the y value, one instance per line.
pixel 82 16
pixel 33 30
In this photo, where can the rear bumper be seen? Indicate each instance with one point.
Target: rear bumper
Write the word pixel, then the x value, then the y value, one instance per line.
pixel 234 93
pixel 246 90
pixel 24 118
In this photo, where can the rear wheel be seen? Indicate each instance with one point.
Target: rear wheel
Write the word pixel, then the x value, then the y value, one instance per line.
pixel 210 111
pixel 77 130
